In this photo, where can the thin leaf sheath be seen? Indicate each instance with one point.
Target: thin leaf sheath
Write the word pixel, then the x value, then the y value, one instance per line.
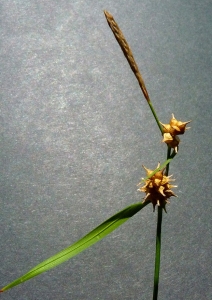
pixel 127 51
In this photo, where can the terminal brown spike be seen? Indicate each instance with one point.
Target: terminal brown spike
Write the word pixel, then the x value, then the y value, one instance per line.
pixel 127 51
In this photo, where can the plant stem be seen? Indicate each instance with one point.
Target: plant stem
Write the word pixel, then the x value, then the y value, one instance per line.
pixel 168 157
pixel 155 116
pixel 158 234
pixel 157 254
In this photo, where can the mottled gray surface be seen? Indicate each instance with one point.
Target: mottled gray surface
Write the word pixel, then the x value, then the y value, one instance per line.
pixel 75 130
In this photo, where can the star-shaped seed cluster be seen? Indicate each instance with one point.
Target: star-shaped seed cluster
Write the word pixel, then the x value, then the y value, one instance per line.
pixel 157 188
pixel 171 131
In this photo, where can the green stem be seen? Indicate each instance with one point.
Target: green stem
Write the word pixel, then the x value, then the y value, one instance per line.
pixel 168 158
pixel 157 254
pixel 155 116
pixel 158 233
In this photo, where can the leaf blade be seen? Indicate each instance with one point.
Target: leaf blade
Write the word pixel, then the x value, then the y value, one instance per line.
pixel 88 240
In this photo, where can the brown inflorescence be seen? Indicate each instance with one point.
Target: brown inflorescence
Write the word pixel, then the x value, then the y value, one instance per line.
pixel 157 188
pixel 171 131
pixel 127 51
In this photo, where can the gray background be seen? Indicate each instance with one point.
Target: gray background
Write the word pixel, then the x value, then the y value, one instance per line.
pixel 75 130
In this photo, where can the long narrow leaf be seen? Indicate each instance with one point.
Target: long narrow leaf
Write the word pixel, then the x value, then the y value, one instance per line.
pixel 88 240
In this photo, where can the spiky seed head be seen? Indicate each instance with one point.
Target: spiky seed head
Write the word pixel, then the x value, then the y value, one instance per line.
pixel 157 188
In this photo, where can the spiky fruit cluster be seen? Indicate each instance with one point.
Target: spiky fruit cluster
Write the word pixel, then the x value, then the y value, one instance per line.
pixel 171 131
pixel 157 188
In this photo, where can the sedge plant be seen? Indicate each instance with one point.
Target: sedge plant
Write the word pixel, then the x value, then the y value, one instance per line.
pixel 156 185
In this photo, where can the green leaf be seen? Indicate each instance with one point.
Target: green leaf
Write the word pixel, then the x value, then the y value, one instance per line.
pixel 88 240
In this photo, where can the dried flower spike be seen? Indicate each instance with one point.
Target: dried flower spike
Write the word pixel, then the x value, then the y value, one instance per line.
pixel 157 188
pixel 127 51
